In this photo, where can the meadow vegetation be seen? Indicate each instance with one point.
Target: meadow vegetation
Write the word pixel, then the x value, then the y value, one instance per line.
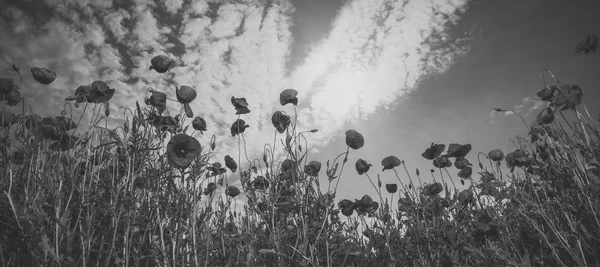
pixel 132 195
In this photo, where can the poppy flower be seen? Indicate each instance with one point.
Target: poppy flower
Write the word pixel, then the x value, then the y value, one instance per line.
pixel 354 139
pixel 546 116
pixel 211 187
pixel 6 85
pixel 230 163
pixel 518 158
pixel 238 127
pixel 288 96
pixel 100 92
pixel 313 168
pixel 362 166
pixel 157 99
pixel 434 151
pixel 64 123
pixel 260 183
pixel 280 121
pixel 199 124
pixel 433 189
pixel 442 162
pixel 185 94
pixel 347 207
pixel 496 154
pixel 161 63
pixel 391 188
pixel 457 151
pixel 232 191
pixel 182 149
pixel 365 205
pixel 240 105
pixel 465 173
pixel 43 75
pixel 465 197
pixel 589 45
pixel 461 163
pixel 13 97
pixel 569 98
pixel 390 162
pixel 547 93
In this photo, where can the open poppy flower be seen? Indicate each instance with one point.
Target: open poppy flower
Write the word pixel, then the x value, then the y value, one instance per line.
pixel 362 166
pixel 199 124
pixel 43 75
pixel 391 188
pixel 434 151
pixel 461 163
pixel 161 63
pixel 157 99
pixel 457 151
pixel 547 93
pixel 288 96
pixel 240 105
pixel 365 205
pixel 313 168
pixel 280 121
pixel 13 97
pixel 518 158
pixel 442 162
pixel 546 116
pixel 238 127
pixel 465 173
pixel 230 163
pixel 465 197
pixel 569 98
pixel 354 139
pixel 100 92
pixel 432 189
pixel 232 191
pixel 496 154
pixel 6 85
pixel 260 183
pixel 346 206
pixel 185 94
pixel 182 149
pixel 390 162
pixel 211 187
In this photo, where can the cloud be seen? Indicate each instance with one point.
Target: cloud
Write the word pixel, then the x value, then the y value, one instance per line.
pixel 528 106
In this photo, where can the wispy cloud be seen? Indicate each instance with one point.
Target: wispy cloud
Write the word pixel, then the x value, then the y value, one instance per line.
pixel 528 106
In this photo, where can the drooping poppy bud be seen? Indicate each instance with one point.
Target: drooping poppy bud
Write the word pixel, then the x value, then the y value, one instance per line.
pixel 457 151
pixel 461 163
pixel 232 191
pixel 6 85
pixel 199 124
pixel 281 121
pixel 546 116
pixel 362 166
pixel 391 188
pixel 185 94
pixel 496 154
pixel 442 162
pixel 354 139
pixel 182 149
pixel 15 67
pixel 288 96
pixel 418 172
pixel 43 75
pixel 240 105
pixel 161 63
pixel 230 163
pixel 390 162
pixel 238 127
pixel 313 168
pixel 188 111
pixel 434 151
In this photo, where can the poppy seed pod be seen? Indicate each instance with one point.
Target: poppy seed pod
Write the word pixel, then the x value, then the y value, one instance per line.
pixel 354 139
pixel 390 162
pixel 457 151
pixel 43 75
pixel 230 163
pixel 313 168
pixel 199 124
pixel 288 96
pixel 182 149
pixel 185 94
pixel 546 116
pixel 434 151
pixel 362 166
pixel 496 154
pixel 6 85
pixel 232 191
pixel 391 188
pixel 238 127
pixel 240 105
pixel 280 121
pixel 161 63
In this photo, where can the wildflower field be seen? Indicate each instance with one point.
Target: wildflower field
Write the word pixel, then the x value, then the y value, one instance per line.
pixel 132 196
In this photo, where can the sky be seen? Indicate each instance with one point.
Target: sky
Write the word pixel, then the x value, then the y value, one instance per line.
pixel 402 73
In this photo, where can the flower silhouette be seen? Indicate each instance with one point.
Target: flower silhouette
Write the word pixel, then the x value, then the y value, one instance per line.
pixel 362 166
pixel 354 139
pixel 390 162
pixel 161 63
pixel 288 96
pixel 43 75
pixel 238 127
pixel 182 149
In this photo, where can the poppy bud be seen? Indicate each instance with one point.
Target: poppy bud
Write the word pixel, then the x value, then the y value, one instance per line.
pixel 418 172
pixel 230 163
pixel 185 94
pixel 161 63
pixel 43 75
pixel 314 130
pixel 390 162
pixel 288 96
pixel 391 188
pixel 15 67
pixel 188 111
pixel 354 139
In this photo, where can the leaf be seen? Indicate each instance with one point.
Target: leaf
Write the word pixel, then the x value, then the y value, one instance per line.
pixel 452 235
